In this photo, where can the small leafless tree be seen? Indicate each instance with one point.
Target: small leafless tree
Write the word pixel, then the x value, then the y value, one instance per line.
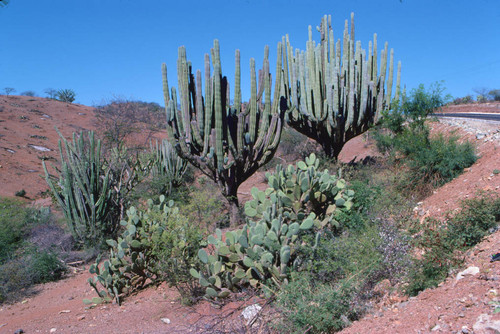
pixel 482 94
pixel 9 90
pixel 51 93
pixel 120 119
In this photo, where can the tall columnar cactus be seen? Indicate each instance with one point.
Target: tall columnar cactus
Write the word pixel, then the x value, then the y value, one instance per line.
pixel 84 190
pixel 336 91
pixel 227 142
pixel 165 162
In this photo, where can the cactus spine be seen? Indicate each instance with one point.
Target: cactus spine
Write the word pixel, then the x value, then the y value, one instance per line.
pixel 336 97
pixel 226 142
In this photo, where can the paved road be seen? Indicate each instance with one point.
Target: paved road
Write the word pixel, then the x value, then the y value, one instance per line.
pixel 486 117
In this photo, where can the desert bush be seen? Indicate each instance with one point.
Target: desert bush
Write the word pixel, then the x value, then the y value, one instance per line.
pixel 482 98
pixel 157 245
pixel 485 94
pixel 435 161
pixel 442 242
pixel 15 279
pixel 176 250
pixel 20 193
pixel 476 219
pixel 28 93
pixel 294 145
pixel 308 306
pixel 405 138
pixel 494 94
pixel 19 275
pixel 13 227
pixel 22 263
pixel 422 102
pixel 338 276
pixel 437 258
pixel 205 205
pixel 66 95
pixel 120 119
pixel 468 99
pixel 46 267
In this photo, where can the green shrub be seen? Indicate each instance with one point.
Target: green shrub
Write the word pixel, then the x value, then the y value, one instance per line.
pixel 437 258
pixel 19 275
pixel 437 160
pixel 477 217
pixel 363 201
pixel 176 250
pixel 66 95
pixel 442 242
pixel 15 279
pixel 46 267
pixel 22 264
pixel 428 161
pixel 468 99
pixel 421 103
pixel 206 206
pixel 20 193
pixel 312 307
pixel 335 258
pixel 153 239
pixel 13 227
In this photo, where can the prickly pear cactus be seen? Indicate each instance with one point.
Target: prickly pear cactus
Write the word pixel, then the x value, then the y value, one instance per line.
pixel 296 191
pixel 131 262
pixel 300 200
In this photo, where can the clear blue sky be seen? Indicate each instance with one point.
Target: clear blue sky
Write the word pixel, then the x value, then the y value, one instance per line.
pixel 106 48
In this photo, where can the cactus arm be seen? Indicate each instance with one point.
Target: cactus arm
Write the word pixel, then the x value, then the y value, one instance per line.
pixel 389 80
pixel 339 93
pixel 229 143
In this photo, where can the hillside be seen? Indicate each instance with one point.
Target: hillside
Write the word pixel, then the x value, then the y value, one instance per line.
pixel 454 307
pixel 28 136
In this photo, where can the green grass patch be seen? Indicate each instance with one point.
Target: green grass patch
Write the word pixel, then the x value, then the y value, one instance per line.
pixel 22 264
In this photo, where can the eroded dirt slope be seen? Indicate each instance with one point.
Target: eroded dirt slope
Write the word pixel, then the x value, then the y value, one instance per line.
pixel 454 307
pixel 28 135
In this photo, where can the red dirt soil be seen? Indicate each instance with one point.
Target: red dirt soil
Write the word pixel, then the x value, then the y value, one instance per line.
pixel 58 307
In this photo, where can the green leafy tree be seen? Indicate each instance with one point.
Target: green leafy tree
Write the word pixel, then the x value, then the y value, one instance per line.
pixel 494 94
pixel 423 102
